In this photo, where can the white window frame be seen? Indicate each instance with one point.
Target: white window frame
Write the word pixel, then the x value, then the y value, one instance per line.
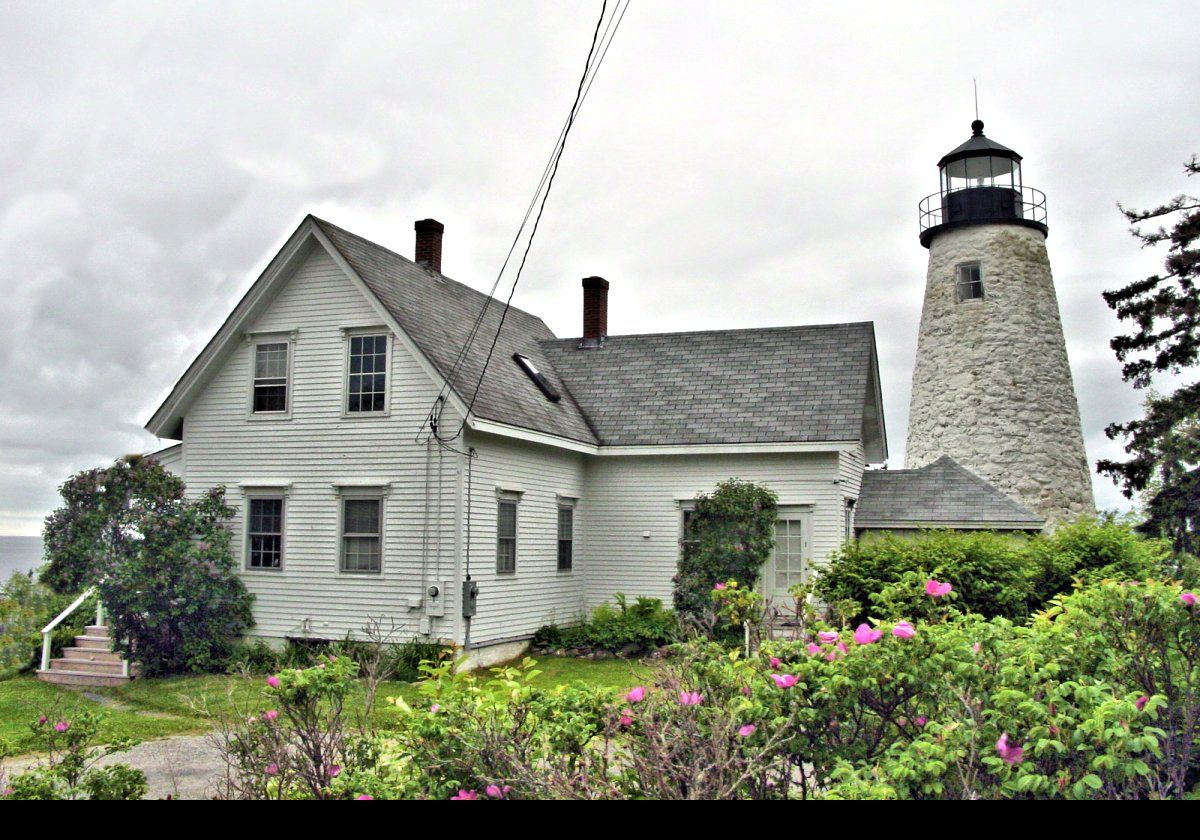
pixel 377 493
pixel 513 498
pixel 571 504
pixel 685 506
pixel 349 333
pixel 254 340
pixel 959 283
pixel 264 491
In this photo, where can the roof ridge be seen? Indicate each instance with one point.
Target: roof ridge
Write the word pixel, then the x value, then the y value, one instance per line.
pixel 788 328
pixel 443 277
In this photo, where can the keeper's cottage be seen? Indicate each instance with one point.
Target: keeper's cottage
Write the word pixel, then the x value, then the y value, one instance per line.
pixel 384 465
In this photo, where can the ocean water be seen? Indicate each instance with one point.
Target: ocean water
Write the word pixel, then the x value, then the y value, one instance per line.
pixel 19 554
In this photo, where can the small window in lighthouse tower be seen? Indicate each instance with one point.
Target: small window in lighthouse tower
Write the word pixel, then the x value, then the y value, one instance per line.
pixel 970 282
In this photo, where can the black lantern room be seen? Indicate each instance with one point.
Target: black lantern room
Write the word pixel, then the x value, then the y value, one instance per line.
pixel 980 183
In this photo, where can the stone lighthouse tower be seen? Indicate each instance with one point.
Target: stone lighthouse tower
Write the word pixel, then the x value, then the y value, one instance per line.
pixel 992 387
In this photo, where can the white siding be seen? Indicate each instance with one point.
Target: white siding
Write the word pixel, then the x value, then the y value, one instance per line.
pixel 314 450
pixel 852 463
pixel 631 513
pixel 513 605
pixel 171 459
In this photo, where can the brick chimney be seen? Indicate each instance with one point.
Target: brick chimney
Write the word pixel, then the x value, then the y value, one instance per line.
pixel 595 311
pixel 429 244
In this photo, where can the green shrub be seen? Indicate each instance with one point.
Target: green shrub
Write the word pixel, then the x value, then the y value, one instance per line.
pixel 26 606
pixel 70 769
pixel 1098 697
pixel 993 574
pixel 644 625
pixel 729 536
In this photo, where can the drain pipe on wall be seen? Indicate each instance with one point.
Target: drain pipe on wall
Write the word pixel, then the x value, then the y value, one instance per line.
pixel 470 590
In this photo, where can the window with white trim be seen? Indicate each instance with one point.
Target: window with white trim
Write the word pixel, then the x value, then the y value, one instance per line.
pixel 566 537
pixel 687 535
pixel 270 387
pixel 264 532
pixel 366 374
pixel 969 283
pixel 362 534
pixel 506 536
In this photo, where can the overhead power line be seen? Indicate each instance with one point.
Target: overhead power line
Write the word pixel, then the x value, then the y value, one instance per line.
pixel 601 41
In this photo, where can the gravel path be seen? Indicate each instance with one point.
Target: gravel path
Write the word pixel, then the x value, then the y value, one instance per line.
pixel 183 767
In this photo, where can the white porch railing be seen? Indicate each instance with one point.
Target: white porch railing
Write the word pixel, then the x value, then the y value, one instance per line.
pixel 48 630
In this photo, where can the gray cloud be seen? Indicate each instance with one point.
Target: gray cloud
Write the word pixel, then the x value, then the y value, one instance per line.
pixel 733 166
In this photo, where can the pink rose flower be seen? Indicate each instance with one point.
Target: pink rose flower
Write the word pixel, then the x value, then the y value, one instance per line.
pixel 747 730
pixel 1141 702
pixel 1011 754
pixel 62 726
pixel 334 771
pixel 719 587
pixel 864 635
pixel 273 681
pixel 775 663
pixel 690 698
pixel 626 719
pixel 936 589
pixel 636 694
pixel 784 680
pixel 497 792
pixel 920 721
pixel 904 630
pixel 465 795
pixel 812 648
pixel 1188 598
pixel 270 715
pixel 363 796
pixel 827 637
pixel 272 769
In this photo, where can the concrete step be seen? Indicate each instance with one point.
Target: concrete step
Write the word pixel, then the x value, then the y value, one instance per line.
pixel 84 666
pixel 96 630
pixel 81 678
pixel 88 642
pixel 87 655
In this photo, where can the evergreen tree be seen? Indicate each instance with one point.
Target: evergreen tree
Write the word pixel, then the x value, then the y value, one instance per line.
pixel 1164 312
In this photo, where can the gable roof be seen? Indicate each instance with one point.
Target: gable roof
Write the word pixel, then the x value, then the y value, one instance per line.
pixel 793 384
pixel 940 494
pixel 779 385
pixel 437 314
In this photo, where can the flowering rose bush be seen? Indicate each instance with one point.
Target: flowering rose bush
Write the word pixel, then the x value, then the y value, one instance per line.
pixel 69 769
pixel 1096 698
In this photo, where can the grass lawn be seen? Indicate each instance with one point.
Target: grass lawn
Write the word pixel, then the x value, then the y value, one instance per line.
pixel 156 708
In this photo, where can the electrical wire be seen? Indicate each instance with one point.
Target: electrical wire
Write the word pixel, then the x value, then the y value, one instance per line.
pixel 596 54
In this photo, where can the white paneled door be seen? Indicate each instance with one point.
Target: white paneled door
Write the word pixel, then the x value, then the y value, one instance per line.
pixel 789 562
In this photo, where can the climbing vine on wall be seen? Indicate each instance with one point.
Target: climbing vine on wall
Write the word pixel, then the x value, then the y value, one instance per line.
pixel 729 536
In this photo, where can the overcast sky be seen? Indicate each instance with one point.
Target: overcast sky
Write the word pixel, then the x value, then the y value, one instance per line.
pixel 735 165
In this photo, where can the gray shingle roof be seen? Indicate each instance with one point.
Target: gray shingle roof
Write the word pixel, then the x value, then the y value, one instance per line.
pixel 437 313
pixel 941 493
pixel 728 386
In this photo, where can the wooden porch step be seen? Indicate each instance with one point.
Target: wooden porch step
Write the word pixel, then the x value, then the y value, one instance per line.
pixel 88 642
pixel 81 678
pixel 96 630
pixel 92 655
pixel 86 667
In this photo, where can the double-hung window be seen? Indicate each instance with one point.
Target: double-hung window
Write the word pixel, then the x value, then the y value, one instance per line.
pixel 271 366
pixel 366 373
pixel 969 282
pixel 506 535
pixel 566 537
pixel 264 532
pixel 362 533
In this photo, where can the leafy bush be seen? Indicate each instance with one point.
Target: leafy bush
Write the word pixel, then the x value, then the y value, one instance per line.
pixel 27 606
pixel 729 536
pixel 994 574
pixel 637 628
pixel 174 601
pixel 400 660
pixel 70 769
pixel 1098 697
